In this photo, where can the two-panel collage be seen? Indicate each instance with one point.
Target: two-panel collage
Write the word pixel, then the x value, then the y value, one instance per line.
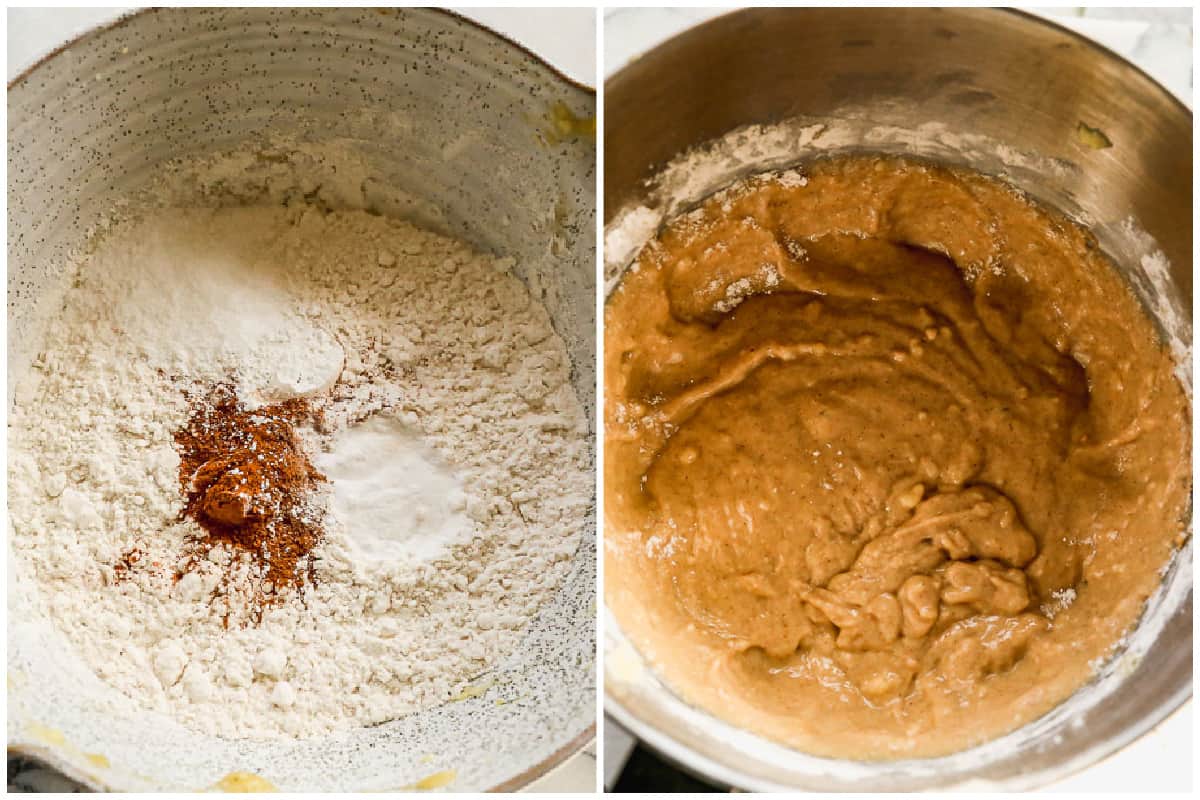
pixel 600 399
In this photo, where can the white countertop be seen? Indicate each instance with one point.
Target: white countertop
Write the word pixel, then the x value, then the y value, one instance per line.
pixel 1160 42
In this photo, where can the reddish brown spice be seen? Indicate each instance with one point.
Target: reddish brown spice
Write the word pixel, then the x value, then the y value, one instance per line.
pixel 126 563
pixel 249 485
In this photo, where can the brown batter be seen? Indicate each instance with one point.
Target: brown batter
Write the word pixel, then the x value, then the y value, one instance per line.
pixel 890 456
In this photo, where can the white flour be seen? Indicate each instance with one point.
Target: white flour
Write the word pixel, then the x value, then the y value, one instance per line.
pixel 455 446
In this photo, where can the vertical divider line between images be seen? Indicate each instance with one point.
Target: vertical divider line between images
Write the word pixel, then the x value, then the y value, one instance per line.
pixel 599 421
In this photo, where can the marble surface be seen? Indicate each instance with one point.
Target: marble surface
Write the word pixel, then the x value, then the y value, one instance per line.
pixel 564 37
pixel 1159 40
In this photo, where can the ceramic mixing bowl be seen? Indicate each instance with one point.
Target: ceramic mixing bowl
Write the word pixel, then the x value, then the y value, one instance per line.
pixel 453 126
pixel 1004 93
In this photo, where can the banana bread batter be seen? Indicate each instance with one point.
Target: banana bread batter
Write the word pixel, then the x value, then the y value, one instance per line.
pixel 891 457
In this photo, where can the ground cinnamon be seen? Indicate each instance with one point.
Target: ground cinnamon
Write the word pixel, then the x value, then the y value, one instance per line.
pixel 249 484
pixel 126 563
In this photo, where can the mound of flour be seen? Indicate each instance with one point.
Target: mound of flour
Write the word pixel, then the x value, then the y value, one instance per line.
pixel 412 345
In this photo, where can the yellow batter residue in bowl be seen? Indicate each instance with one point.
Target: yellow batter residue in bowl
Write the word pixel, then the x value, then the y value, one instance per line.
pixel 245 782
pixel 438 780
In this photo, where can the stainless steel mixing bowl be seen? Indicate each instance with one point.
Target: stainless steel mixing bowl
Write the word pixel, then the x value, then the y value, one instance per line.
pixel 450 124
pixel 1005 93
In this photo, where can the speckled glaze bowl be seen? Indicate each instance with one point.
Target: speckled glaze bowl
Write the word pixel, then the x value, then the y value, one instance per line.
pixel 998 91
pixel 459 128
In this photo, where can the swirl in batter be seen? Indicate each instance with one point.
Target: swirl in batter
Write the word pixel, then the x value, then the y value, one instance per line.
pixel 891 456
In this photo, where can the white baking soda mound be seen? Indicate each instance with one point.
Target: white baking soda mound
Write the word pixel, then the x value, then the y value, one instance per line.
pixel 394 496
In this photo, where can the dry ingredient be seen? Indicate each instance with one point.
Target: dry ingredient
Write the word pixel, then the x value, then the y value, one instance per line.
pixel 397 499
pixel 251 487
pixel 126 501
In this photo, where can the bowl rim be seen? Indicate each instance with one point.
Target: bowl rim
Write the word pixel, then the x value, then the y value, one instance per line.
pixel 670 748
pixel 128 16
pixel 573 747
pixel 1027 16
